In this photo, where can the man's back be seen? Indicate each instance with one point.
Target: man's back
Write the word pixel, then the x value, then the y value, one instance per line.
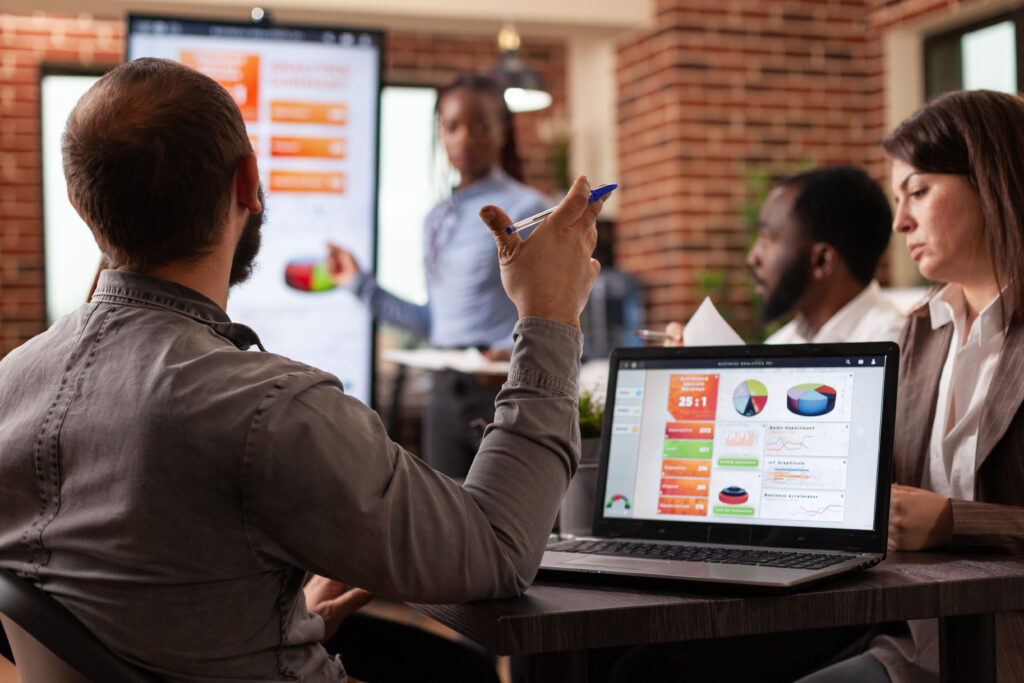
pixel 172 489
pixel 113 403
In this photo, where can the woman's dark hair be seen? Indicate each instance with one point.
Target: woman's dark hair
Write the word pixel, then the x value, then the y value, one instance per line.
pixel 493 88
pixel 978 134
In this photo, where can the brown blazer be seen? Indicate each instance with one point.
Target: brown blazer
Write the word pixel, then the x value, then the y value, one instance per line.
pixel 994 521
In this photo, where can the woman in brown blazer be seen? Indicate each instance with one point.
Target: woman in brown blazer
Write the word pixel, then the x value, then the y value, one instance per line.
pixel 958 178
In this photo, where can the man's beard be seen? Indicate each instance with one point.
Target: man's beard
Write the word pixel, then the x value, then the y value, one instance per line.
pixel 792 285
pixel 248 245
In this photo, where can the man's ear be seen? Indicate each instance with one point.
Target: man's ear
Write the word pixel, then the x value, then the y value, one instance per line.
pixel 247 184
pixel 824 260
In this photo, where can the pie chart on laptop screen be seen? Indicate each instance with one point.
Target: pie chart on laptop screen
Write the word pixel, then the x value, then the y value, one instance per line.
pixel 749 397
pixel 811 399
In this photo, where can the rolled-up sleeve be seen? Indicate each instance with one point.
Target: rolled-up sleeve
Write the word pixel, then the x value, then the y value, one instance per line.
pixel 324 487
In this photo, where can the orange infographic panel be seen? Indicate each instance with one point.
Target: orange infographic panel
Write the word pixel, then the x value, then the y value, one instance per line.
pixel 678 505
pixel 238 72
pixel 324 148
pixel 332 113
pixel 684 487
pixel 299 181
pixel 693 397
pixel 679 467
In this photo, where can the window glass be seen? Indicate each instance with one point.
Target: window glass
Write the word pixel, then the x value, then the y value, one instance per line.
pixel 989 58
pixel 409 187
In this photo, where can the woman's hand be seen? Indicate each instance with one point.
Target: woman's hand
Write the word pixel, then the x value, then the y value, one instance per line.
pixel 341 265
pixel 919 519
pixel 333 601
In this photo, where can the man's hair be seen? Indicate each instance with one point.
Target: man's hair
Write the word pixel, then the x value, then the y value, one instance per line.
pixel 150 153
pixel 844 207
pixel 979 135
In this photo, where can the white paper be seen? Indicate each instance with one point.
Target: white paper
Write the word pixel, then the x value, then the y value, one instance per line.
pixel 469 361
pixel 707 327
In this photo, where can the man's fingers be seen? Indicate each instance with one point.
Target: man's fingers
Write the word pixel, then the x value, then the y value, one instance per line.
pixel 499 222
pixel 352 601
pixel 572 207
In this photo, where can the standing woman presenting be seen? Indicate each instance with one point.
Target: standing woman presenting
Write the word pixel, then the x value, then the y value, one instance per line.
pixel 466 304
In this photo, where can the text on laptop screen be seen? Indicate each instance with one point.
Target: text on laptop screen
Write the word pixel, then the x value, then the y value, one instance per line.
pixel 779 441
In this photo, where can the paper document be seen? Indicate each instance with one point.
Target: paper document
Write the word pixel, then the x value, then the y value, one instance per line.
pixel 469 361
pixel 707 327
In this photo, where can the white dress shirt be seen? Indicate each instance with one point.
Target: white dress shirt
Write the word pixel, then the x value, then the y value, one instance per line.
pixel 869 316
pixel 963 386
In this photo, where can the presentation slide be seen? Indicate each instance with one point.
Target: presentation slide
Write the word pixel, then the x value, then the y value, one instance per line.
pixel 783 446
pixel 309 98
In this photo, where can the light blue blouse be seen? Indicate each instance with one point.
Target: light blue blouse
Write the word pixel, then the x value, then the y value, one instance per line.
pixel 466 304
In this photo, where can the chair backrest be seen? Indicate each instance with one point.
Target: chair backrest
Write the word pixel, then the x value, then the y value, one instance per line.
pixel 51 646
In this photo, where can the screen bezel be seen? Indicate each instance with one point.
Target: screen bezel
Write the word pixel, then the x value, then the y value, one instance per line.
pixel 852 540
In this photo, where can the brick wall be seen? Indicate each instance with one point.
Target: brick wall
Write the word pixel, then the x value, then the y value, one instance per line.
pixel 713 93
pixel 27 43
pixel 30 42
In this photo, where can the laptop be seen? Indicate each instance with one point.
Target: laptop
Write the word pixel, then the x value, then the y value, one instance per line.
pixel 763 466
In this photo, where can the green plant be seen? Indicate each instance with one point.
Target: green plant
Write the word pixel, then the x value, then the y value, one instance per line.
pixel 591 414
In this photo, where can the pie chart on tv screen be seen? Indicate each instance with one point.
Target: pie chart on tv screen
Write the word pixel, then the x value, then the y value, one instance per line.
pixel 811 399
pixel 749 397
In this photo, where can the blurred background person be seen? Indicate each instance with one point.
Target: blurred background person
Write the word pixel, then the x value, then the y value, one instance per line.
pixel 466 305
pixel 820 236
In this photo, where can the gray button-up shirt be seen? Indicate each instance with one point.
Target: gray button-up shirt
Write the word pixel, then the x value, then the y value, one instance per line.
pixel 172 488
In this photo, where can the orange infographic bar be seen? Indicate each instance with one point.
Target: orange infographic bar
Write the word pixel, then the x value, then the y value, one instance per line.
pixel 298 181
pixel 675 505
pixel 671 486
pixel 326 148
pixel 332 113
pixel 690 430
pixel 678 467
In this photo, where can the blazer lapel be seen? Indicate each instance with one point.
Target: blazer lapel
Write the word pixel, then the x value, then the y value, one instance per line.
pixel 1004 395
pixel 923 355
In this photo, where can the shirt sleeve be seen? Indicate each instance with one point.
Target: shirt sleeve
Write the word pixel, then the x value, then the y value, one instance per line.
pixel 987 526
pixel 387 307
pixel 325 489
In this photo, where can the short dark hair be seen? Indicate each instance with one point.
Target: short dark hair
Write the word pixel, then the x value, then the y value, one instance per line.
pixel 977 134
pixel 150 153
pixel 844 207
pixel 493 87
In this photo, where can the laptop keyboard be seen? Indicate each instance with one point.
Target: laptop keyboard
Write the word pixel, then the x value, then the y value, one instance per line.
pixel 699 553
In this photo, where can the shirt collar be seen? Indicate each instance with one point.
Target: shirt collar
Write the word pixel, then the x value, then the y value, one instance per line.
pixel 838 327
pixel 949 306
pixel 126 287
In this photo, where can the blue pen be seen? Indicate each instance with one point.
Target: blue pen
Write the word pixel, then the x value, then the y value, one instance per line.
pixel 595 194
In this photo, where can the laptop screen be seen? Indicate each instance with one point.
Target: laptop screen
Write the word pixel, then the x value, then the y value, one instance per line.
pixel 779 439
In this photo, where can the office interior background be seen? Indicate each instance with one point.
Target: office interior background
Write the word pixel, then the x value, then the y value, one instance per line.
pixel 690 105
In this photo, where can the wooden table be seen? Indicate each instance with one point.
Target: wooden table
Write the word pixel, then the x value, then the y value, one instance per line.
pixel 555 625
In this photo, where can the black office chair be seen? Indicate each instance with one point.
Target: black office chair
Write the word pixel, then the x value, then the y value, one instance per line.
pixel 51 646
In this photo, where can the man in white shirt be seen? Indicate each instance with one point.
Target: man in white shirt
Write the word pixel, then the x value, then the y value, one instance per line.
pixel 820 236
